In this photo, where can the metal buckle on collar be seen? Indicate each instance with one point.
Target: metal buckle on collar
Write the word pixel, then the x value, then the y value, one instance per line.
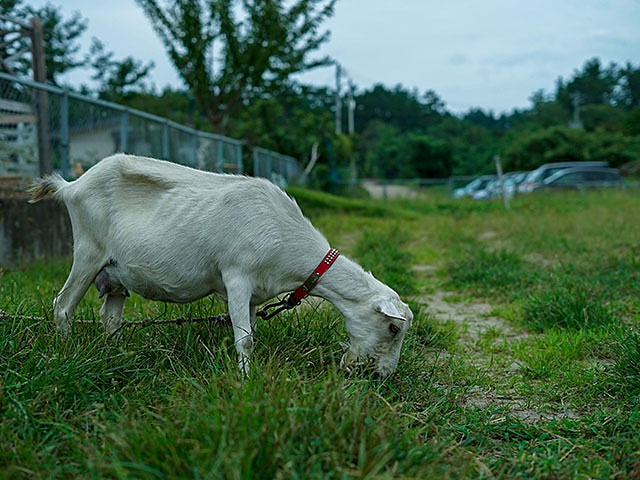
pixel 285 304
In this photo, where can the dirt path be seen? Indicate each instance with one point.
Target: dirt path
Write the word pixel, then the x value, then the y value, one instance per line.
pixel 376 190
pixel 476 320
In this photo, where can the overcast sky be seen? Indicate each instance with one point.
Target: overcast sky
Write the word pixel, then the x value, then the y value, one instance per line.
pixel 490 54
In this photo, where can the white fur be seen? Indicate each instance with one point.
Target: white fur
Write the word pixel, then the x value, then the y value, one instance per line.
pixel 176 234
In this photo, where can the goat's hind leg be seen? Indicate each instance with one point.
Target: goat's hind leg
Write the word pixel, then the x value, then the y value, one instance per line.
pixel 83 271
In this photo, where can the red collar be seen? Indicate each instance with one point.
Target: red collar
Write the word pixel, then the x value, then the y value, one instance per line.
pixel 293 299
pixel 304 289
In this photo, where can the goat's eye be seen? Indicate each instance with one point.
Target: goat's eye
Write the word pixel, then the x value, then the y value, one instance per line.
pixel 394 329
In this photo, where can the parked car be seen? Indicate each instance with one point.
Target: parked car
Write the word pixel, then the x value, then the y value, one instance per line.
pixel 495 187
pixel 536 177
pixel 474 185
pixel 580 178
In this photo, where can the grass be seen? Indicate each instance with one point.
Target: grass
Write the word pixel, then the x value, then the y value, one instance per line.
pixel 551 389
pixel 567 305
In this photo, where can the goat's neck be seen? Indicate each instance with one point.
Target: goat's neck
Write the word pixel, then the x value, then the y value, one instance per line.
pixel 345 283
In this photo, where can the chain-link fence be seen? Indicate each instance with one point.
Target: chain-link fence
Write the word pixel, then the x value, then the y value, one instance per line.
pixel 280 169
pixel 82 130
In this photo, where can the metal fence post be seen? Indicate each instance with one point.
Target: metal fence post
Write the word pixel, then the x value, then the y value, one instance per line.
pixel 124 132
pixel 256 164
pixel 64 134
pixel 165 140
pixel 194 160
pixel 220 165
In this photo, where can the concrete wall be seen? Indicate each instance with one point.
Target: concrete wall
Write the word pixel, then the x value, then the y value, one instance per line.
pixel 31 231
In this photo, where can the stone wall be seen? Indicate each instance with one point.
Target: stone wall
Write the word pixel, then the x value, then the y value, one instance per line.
pixel 32 231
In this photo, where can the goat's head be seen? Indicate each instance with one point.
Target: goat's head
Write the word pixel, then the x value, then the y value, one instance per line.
pixel 376 327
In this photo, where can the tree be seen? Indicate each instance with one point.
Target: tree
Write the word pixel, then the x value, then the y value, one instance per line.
pixel 289 123
pixel 527 151
pixel 13 44
pixel 399 107
pixel 594 84
pixel 429 157
pixel 60 39
pixel 546 112
pixel 258 45
pixel 629 93
pixel 384 151
pixel 117 78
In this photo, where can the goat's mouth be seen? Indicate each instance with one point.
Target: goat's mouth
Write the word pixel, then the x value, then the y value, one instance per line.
pixel 353 363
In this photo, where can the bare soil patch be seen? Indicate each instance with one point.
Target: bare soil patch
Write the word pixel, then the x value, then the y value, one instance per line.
pixel 377 190
pixel 476 319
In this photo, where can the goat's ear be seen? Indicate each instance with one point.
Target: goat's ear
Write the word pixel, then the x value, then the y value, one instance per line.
pixel 389 309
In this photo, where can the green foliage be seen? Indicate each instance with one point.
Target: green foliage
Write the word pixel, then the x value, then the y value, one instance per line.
pixel 258 53
pixel 592 85
pixel 291 123
pixel 555 144
pixel 398 107
pixel 390 153
pixel 429 157
pixel 117 78
pixel 527 151
pixel 631 123
pixel 602 117
pixel 61 40
pixel 383 152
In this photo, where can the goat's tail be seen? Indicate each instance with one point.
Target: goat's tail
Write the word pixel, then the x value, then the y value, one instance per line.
pixel 45 186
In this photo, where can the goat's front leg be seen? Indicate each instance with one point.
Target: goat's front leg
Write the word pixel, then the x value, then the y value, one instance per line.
pixel 238 300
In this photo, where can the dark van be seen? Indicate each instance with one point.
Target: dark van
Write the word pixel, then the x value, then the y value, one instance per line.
pixel 536 177
pixel 580 178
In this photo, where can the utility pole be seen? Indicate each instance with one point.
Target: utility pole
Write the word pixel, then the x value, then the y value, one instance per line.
pixel 576 100
pixel 351 105
pixel 338 100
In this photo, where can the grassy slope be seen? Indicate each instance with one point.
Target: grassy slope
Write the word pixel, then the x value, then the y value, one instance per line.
pixel 167 402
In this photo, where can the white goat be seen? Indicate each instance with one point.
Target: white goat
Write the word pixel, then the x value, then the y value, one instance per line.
pixel 175 234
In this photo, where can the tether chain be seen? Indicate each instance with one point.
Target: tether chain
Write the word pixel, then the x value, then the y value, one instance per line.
pixel 223 318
